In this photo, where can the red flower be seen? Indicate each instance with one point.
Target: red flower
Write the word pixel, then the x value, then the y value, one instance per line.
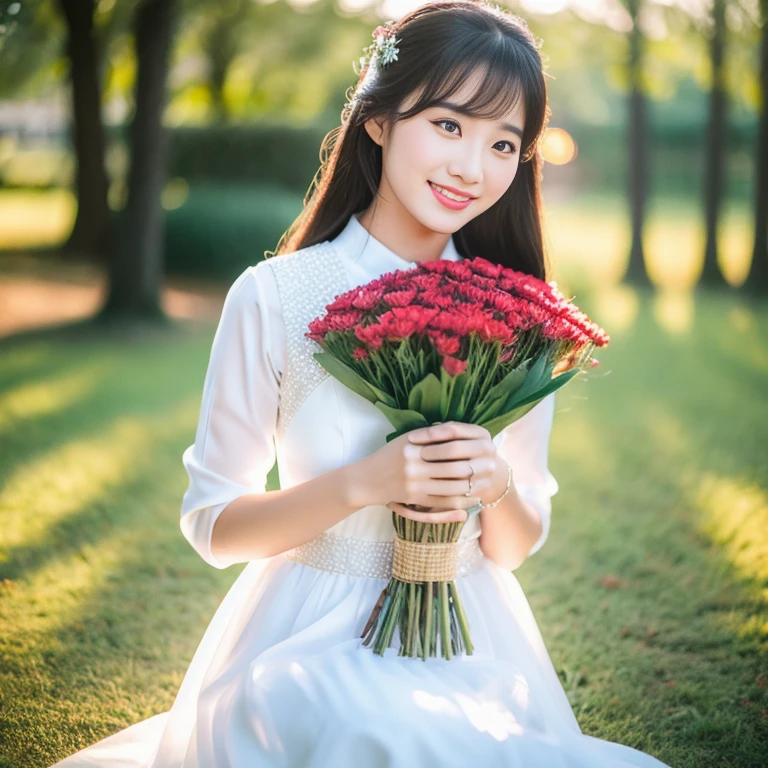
pixel 445 344
pixel 372 335
pixel 343 321
pixel 366 299
pixel 453 366
pixel 472 292
pixel 341 303
pixel 400 298
pixel 441 303
pixel 481 266
pixel 458 270
pixel 485 283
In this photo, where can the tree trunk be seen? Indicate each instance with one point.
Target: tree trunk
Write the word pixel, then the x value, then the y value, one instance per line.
pixel 638 155
pixel 219 57
pixel 717 141
pixel 221 46
pixel 135 279
pixel 757 279
pixel 91 233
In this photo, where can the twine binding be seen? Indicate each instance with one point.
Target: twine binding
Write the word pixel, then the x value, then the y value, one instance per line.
pixel 415 561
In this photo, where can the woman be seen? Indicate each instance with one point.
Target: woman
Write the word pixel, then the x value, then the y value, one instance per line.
pixel 436 158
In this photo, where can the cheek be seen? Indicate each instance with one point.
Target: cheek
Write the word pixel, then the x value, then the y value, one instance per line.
pixel 416 150
pixel 499 177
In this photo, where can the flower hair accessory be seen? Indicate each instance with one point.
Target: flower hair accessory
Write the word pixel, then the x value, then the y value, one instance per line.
pixel 384 45
pixel 381 52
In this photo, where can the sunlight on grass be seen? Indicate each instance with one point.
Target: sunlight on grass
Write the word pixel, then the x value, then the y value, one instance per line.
pixel 674 245
pixel 80 473
pixel 673 310
pixel 590 239
pixel 735 244
pixel 585 447
pixel 60 587
pixel 616 307
pixel 48 396
pixel 736 517
pixel 32 219
pixel 754 626
pixel 675 240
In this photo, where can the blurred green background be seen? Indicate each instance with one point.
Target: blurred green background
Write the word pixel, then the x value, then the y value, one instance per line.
pixel 125 213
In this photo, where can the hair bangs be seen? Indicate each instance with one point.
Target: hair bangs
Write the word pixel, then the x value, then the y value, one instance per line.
pixel 500 83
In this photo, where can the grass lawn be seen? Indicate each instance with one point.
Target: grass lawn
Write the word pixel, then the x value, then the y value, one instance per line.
pixel 651 591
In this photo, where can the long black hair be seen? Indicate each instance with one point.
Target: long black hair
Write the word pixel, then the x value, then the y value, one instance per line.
pixel 440 45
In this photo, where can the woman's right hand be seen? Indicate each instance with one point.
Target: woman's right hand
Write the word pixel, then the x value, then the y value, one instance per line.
pixel 397 473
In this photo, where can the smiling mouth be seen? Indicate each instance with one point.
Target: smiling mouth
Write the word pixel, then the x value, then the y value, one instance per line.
pixel 451 195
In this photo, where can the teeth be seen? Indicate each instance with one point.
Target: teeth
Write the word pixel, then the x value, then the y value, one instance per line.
pixel 453 196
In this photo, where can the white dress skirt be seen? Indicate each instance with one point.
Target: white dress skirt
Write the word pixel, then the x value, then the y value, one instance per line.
pixel 280 677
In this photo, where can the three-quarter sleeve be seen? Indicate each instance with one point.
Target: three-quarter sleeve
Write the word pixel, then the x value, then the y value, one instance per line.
pixel 524 445
pixel 234 446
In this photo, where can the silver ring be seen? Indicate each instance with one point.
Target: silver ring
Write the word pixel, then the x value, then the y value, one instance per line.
pixel 469 479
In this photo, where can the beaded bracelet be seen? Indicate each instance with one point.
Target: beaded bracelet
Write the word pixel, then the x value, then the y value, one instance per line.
pixel 506 490
pixel 473 510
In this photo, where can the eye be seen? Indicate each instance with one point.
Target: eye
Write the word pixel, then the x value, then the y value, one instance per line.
pixel 450 122
pixel 512 147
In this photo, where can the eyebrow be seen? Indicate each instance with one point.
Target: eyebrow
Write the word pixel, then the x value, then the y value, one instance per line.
pixel 462 110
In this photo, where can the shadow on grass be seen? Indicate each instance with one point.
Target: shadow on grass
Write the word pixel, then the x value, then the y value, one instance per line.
pixel 153 593
pixel 134 372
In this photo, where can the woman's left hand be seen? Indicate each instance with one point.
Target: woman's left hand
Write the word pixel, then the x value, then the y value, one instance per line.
pixel 460 452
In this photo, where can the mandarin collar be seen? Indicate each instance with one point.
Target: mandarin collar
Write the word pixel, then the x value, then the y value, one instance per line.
pixel 363 247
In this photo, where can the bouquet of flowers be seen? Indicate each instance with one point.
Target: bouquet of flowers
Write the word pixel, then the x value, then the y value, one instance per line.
pixel 467 341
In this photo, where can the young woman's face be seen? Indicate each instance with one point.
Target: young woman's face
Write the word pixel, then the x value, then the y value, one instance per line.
pixel 474 157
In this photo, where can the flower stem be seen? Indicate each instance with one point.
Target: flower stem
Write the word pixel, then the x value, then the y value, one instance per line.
pixel 426 651
pixel 445 620
pixel 462 618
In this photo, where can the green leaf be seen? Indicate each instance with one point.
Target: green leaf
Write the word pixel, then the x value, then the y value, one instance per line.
pixel 519 409
pixel 453 388
pixel 401 419
pixel 425 398
pixel 498 394
pixel 351 379
pixel 488 411
pixel 551 386
pixel 494 426
pixel 539 374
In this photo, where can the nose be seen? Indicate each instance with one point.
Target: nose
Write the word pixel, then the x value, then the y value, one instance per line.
pixel 468 163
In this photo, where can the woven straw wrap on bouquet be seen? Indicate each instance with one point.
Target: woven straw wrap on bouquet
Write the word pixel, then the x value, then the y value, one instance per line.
pixel 415 562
